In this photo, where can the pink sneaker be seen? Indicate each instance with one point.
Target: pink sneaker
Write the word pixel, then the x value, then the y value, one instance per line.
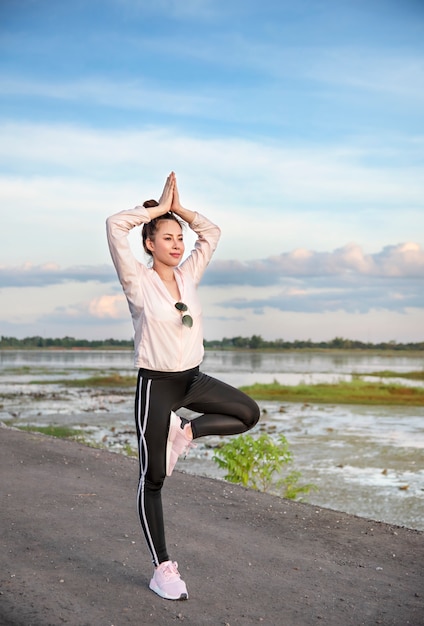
pixel 167 583
pixel 178 442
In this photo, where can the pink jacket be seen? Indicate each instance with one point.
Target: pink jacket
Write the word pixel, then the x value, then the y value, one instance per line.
pixel 161 341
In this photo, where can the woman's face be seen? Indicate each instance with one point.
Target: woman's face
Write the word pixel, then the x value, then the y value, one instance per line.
pixel 168 246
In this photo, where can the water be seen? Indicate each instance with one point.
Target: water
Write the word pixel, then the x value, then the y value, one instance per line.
pixel 367 461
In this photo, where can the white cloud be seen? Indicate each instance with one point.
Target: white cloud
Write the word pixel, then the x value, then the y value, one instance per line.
pixel 107 306
pixel 223 171
pixel 348 263
pixel 31 275
pixel 354 298
pixel 374 326
pixel 136 94
pixel 63 181
pixel 247 297
pixel 74 309
pixel 372 71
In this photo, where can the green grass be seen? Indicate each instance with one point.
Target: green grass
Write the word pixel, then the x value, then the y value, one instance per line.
pixel 355 392
pixel 63 432
pixel 129 451
pixel 418 375
pixel 26 370
pixel 112 380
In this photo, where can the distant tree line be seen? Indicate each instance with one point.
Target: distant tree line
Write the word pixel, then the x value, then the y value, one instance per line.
pixel 63 342
pixel 255 342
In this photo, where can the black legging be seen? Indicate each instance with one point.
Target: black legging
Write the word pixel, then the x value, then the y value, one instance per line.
pixel 226 411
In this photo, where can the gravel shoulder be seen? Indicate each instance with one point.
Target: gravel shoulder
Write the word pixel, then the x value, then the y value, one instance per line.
pixel 73 553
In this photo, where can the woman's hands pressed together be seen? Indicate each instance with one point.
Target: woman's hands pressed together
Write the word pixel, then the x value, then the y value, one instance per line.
pixel 170 201
pixel 165 201
pixel 176 207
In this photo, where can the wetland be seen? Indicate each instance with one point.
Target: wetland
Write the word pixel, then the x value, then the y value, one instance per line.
pixel 354 421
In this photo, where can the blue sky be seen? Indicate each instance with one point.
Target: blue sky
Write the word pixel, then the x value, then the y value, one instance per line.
pixel 296 126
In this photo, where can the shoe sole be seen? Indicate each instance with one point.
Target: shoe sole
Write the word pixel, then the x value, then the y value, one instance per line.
pixel 166 596
pixel 171 437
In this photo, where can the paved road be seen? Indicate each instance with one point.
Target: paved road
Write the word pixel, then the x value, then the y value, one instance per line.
pixel 72 551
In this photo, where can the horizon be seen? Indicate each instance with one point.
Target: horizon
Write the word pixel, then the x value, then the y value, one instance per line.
pixel 340 340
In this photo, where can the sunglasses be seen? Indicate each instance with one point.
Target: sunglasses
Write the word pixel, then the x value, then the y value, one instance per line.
pixel 186 319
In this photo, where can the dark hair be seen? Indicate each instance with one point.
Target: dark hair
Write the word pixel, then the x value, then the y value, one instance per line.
pixel 149 230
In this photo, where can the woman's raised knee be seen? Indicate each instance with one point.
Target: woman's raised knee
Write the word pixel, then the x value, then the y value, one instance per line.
pixel 251 413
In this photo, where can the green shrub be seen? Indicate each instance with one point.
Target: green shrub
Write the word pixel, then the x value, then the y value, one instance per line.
pixel 256 462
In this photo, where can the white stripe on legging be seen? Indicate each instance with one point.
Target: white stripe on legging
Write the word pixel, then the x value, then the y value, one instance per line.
pixel 143 468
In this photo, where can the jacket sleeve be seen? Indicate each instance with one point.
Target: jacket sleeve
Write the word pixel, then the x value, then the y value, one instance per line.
pixel 208 235
pixel 129 270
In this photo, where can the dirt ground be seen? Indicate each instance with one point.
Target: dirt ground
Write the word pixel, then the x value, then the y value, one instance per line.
pixel 72 551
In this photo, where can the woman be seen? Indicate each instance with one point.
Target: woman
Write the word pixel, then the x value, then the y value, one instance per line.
pixel 168 342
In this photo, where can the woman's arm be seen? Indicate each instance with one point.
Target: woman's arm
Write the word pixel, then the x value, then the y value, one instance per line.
pixel 208 235
pixel 127 267
pixel 118 227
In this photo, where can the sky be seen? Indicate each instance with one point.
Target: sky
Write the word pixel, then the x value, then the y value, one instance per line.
pixel 296 126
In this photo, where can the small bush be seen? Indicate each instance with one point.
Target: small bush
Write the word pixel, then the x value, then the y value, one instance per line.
pixel 256 462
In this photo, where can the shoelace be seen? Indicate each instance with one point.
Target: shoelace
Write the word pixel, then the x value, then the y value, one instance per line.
pixel 189 446
pixel 171 570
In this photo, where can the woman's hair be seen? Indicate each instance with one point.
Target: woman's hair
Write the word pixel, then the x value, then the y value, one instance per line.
pixel 149 230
